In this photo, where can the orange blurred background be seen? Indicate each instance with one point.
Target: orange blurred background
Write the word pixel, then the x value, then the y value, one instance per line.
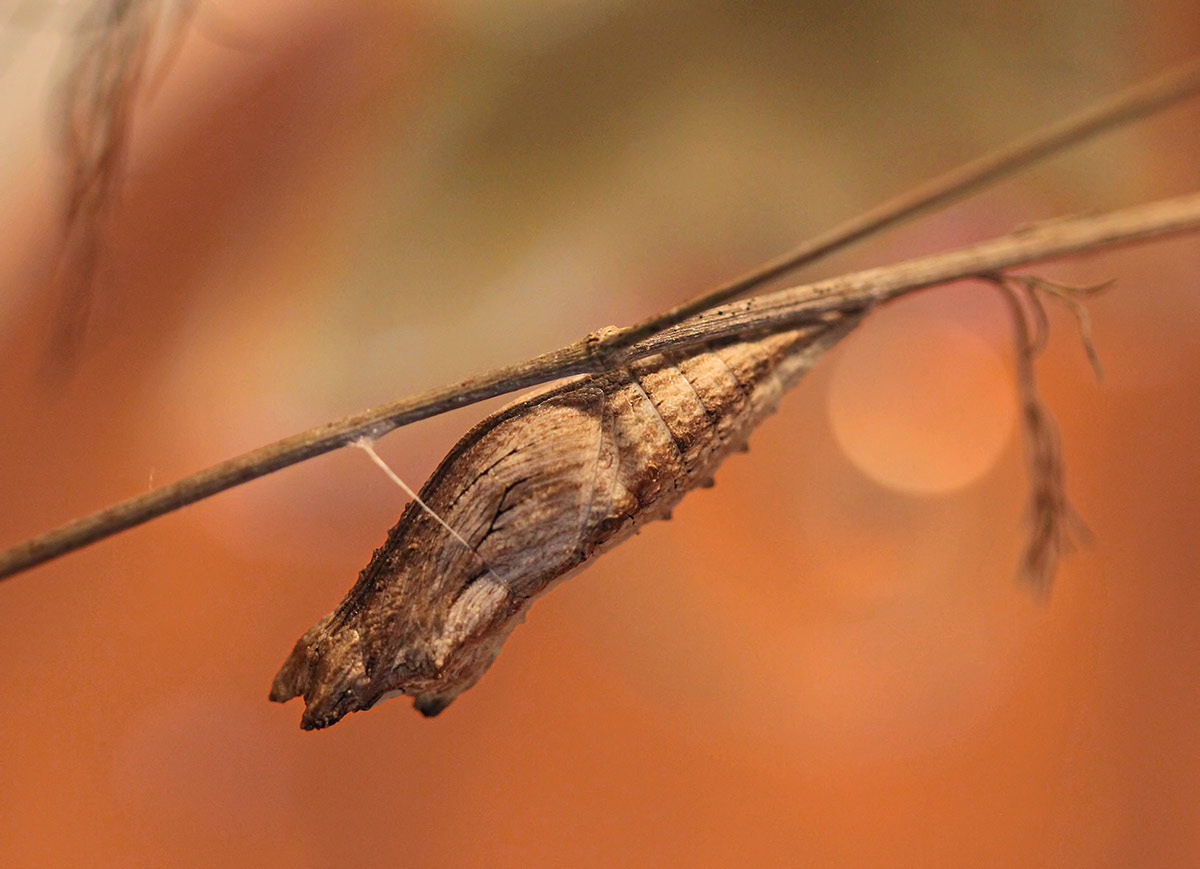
pixel 825 660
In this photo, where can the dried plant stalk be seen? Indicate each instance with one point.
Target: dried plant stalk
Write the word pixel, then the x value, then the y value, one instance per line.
pixel 534 492
pixel 1053 523
pixel 779 311
pixel 121 47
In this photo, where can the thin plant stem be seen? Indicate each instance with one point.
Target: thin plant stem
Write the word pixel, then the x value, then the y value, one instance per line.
pixel 1133 103
pixel 780 310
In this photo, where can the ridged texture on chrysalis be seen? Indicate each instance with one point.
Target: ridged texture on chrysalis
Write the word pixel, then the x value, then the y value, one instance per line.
pixel 536 490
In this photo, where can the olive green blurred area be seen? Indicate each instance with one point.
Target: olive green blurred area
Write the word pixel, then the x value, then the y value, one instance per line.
pixel 825 660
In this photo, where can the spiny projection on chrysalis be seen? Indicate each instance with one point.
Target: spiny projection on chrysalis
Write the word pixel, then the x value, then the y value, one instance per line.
pixel 532 494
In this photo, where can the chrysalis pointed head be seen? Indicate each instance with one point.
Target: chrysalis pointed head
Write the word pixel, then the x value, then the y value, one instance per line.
pixel 431 659
pixel 326 667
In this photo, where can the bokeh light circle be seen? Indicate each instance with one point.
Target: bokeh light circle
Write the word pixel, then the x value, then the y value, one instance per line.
pixel 921 405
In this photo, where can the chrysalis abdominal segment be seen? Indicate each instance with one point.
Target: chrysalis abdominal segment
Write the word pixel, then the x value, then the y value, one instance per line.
pixel 535 491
